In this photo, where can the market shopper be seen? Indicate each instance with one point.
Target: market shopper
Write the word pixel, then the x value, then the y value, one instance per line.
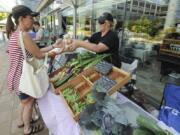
pixel 40 40
pixel 23 18
pixel 119 30
pixel 104 41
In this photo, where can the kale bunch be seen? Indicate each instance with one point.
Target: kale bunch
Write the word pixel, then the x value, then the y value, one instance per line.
pixel 105 115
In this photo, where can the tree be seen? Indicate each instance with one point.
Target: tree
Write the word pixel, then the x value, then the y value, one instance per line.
pixel 3 15
pixel 144 25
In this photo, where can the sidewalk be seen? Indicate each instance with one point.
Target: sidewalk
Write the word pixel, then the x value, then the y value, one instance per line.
pixel 8 102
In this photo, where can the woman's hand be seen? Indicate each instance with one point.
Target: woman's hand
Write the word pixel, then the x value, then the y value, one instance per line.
pixel 74 45
pixel 65 46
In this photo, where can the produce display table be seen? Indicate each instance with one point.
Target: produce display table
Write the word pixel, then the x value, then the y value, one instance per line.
pixel 60 117
pixel 75 80
pixel 59 121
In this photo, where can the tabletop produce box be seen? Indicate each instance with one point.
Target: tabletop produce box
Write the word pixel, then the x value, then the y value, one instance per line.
pixel 74 93
pixel 118 75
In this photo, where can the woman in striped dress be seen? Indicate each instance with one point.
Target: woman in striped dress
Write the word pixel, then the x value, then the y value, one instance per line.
pixel 23 17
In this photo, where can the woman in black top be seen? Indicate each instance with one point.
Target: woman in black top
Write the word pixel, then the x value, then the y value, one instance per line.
pixel 105 41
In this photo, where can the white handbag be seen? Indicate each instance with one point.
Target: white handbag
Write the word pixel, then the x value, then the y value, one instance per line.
pixel 34 79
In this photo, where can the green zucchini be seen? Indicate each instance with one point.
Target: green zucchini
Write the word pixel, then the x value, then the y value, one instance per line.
pixel 139 131
pixel 149 124
pixel 63 80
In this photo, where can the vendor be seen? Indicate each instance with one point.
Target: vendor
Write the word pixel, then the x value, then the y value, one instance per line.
pixel 104 41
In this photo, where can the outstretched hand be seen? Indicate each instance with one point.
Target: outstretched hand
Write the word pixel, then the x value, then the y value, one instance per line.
pixel 73 45
pixel 66 45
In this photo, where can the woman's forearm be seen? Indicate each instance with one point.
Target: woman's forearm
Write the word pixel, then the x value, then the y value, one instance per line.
pixel 89 46
pixel 47 49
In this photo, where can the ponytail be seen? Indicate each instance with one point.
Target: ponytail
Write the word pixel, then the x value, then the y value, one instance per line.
pixel 10 27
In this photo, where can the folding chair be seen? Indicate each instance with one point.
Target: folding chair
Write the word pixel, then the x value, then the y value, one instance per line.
pixel 171 93
pixel 170 105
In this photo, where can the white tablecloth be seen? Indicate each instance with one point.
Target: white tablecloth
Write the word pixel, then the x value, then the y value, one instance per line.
pixel 56 115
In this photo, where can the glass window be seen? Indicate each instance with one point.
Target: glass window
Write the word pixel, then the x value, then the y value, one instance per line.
pixel 67 17
pixel 135 3
pixel 147 5
pixel 164 8
pixel 141 4
pixel 153 7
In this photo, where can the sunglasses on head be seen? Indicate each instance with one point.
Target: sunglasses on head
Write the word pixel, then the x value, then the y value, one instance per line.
pixel 101 20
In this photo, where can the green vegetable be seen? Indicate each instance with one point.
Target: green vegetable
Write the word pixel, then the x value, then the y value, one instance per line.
pixel 63 80
pixel 70 95
pixel 89 99
pixel 141 132
pixel 67 91
pixel 85 60
pixel 78 107
pixel 149 124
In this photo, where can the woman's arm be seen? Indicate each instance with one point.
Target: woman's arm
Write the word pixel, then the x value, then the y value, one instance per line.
pixel 31 46
pixel 89 46
pixel 57 44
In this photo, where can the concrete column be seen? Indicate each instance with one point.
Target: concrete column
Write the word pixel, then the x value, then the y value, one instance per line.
pixel 155 10
pixel 75 6
pixel 131 6
pixel 138 7
pixel 171 14
pixel 150 9
pixel 144 8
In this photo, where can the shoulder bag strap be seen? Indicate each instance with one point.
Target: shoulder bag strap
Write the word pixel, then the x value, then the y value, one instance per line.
pixel 46 59
pixel 23 48
pixel 22 44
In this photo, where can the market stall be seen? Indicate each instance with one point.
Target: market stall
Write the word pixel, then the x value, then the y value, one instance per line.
pixel 84 103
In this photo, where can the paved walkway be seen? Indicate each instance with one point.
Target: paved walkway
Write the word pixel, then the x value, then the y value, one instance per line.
pixel 8 102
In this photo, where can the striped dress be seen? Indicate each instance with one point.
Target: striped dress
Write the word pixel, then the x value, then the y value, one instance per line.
pixel 16 58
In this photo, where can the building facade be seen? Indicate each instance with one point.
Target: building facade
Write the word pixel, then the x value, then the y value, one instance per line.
pixel 59 12
pixel 173 15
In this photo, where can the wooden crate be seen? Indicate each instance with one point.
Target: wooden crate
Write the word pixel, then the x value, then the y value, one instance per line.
pixel 81 85
pixel 120 76
pixel 91 74
pixel 75 116
pixel 55 73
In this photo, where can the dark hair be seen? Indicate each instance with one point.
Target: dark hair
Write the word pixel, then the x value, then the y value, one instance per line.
pixel 17 11
pixel 36 23
pixel 10 27
pixel 119 25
